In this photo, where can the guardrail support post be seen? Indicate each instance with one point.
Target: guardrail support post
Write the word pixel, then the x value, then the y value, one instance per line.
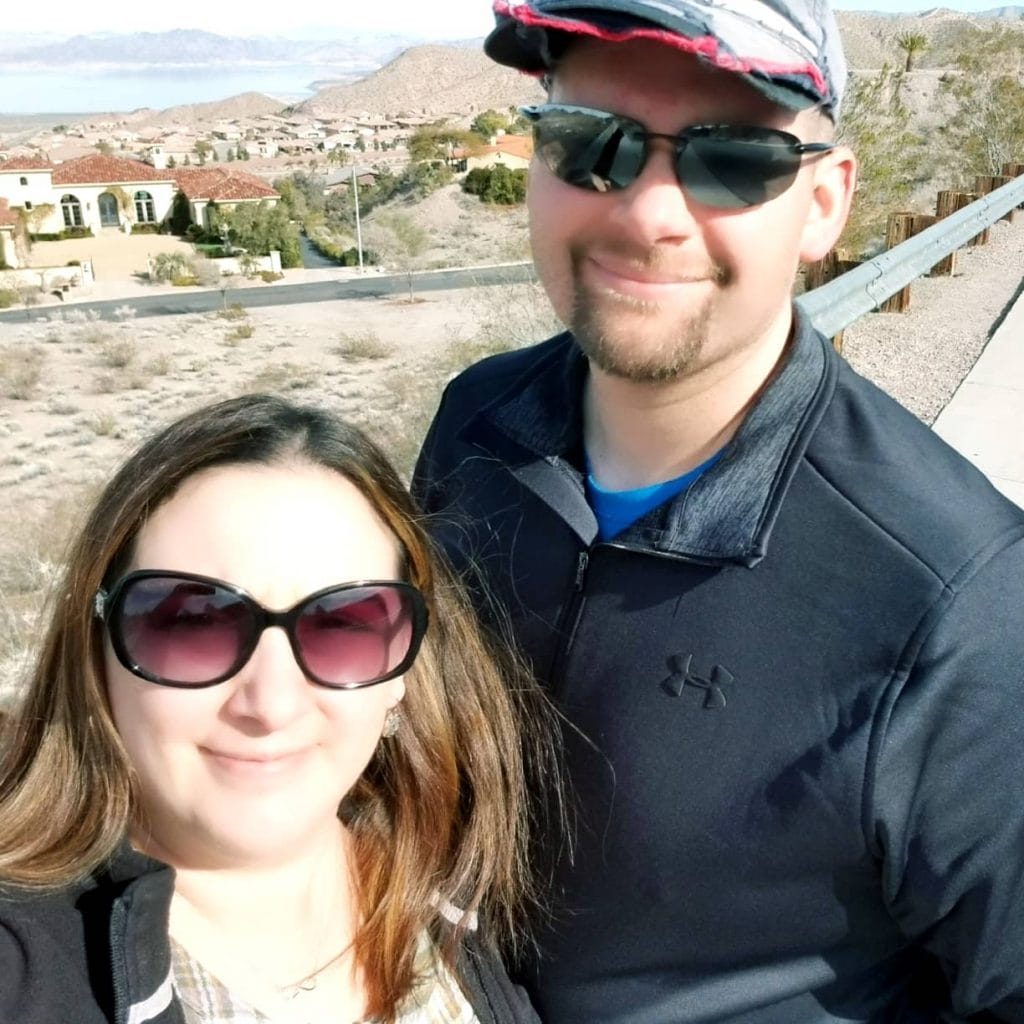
pixel 902 226
pixel 948 202
pixel 832 265
pixel 1014 170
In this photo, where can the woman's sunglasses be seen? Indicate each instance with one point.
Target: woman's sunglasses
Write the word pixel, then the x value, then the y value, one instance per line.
pixel 724 166
pixel 178 629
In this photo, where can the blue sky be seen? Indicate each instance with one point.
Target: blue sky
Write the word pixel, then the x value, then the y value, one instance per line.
pixel 437 19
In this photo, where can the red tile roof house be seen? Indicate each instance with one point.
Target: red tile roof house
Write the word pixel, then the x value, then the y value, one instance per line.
pixel 93 192
pixel 106 193
pixel 203 186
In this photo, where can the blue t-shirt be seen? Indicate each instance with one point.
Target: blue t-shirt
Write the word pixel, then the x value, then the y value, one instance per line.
pixel 615 510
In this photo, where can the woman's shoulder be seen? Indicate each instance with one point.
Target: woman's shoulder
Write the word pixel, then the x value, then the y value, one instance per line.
pixel 53 939
pixel 44 958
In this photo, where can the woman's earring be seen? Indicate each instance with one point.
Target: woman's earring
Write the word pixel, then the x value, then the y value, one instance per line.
pixel 392 720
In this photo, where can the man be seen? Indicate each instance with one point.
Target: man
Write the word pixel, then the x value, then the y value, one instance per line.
pixel 783 619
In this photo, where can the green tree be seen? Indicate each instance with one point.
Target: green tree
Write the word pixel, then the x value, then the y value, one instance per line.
pixel 506 187
pixel 892 158
pixel 436 142
pixel 104 147
pixel 181 213
pixel 476 181
pixel 912 44
pixel 202 150
pixel 488 124
pixel 987 129
pixel 171 162
pixel 259 228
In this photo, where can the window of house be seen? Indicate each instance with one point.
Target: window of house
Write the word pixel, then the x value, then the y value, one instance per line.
pixel 28 205
pixel 145 212
pixel 71 208
pixel 23 181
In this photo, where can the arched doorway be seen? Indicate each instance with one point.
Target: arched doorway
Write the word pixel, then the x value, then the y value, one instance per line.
pixel 109 217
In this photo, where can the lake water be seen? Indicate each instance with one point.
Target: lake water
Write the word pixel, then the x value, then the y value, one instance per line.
pixel 32 92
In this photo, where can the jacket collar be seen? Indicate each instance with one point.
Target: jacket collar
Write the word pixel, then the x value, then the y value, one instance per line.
pixel 728 513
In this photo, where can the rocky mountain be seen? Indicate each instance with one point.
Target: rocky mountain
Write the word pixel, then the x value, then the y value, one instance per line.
pixel 430 80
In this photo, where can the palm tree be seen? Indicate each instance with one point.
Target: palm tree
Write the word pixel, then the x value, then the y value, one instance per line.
pixel 912 43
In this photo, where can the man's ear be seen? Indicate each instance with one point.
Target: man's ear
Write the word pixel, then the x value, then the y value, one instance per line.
pixel 835 177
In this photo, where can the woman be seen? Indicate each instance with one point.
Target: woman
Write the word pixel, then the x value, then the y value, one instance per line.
pixel 266 769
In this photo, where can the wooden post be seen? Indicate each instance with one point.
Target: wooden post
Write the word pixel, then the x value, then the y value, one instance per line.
pixel 947 203
pixel 900 227
pixel 985 183
pixel 821 271
pixel 828 268
pixel 1014 170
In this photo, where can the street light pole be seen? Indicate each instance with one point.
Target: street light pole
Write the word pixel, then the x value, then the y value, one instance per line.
pixel 359 229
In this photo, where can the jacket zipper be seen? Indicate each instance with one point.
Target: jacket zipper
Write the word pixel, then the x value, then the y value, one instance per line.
pixel 119 981
pixel 567 623
pixel 569 619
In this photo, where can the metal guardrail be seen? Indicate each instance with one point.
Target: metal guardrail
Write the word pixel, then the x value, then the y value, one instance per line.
pixel 839 303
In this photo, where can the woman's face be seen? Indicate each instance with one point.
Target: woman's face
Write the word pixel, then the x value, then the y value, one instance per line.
pixel 252 768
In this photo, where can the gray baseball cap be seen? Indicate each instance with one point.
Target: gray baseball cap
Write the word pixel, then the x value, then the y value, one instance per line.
pixel 789 50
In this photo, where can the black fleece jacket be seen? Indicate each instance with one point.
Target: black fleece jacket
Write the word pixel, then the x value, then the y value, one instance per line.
pixel 798 699
pixel 98 953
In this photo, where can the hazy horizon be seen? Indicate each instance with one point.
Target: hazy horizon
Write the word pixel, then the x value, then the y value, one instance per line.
pixel 453 19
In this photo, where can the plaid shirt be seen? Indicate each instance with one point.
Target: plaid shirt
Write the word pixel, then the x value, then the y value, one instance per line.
pixel 435 999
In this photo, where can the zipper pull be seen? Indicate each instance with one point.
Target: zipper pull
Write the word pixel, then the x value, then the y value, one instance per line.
pixel 582 561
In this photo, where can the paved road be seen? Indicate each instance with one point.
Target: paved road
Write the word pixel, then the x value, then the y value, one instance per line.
pixel 207 300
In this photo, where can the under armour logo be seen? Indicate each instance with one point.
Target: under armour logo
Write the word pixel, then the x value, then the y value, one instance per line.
pixel 683 675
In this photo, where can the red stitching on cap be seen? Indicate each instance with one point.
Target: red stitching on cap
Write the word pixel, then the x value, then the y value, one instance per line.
pixel 705 46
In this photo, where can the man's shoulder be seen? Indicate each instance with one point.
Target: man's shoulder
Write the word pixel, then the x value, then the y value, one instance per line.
pixel 886 463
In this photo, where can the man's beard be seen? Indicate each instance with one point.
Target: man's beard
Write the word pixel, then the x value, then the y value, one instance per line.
pixel 623 340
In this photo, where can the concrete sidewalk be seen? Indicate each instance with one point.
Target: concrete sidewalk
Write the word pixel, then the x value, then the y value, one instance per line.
pixel 984 420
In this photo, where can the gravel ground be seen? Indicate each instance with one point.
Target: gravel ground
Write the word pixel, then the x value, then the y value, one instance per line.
pixel 921 356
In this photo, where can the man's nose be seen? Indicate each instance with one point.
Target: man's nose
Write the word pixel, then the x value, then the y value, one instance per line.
pixel 655 209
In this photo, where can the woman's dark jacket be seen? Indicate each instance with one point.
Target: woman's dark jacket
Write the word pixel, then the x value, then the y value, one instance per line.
pixel 98 953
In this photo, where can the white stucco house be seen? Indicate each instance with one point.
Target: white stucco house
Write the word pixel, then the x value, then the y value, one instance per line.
pixel 93 193
pixel 109 194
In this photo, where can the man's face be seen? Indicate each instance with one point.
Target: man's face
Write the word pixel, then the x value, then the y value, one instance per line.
pixel 654 285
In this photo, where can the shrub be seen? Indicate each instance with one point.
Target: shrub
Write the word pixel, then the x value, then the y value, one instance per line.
pixel 117 353
pixel 185 281
pixel 239 333
pixel 365 345
pixel 8 298
pixel 269 276
pixel 21 369
pixel 166 266
pixel 236 311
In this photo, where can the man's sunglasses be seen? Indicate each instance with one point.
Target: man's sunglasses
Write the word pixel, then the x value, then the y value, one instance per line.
pixel 178 629
pixel 724 166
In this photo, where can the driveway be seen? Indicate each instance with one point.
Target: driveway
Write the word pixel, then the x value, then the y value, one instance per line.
pixel 115 256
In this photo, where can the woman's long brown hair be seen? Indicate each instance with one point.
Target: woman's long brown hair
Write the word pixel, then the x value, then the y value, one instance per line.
pixel 441 812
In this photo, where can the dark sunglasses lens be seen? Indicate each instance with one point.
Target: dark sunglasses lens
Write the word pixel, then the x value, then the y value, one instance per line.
pixel 731 172
pixel 356 635
pixel 179 631
pixel 589 150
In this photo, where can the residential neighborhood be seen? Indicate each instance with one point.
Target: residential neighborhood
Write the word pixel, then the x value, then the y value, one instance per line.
pixel 115 175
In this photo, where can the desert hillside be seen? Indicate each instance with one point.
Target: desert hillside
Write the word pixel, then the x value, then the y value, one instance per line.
pixel 430 80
